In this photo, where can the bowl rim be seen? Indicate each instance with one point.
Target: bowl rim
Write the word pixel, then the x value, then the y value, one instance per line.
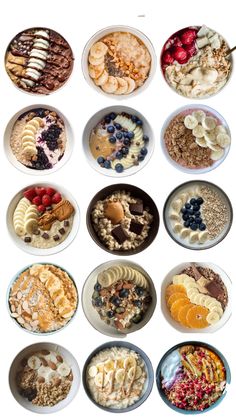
pixel 113 173
pixel 13 280
pixel 202 97
pixel 70 141
pixel 202 182
pixel 94 236
pixel 167 122
pixel 148 365
pixel 120 335
pixel 33 93
pixel 194 343
pixel 121 28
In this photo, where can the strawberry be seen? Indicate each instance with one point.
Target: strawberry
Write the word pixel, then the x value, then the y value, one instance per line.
pixel 188 37
pixel 40 191
pixel 56 198
pixel 167 58
pixel 179 54
pixel 46 200
pixel 41 208
pixel 191 49
pixel 50 191
pixel 37 200
pixel 177 42
pixel 30 194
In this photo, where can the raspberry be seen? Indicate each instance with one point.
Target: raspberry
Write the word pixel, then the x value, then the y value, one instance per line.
pixel 46 200
pixel 177 42
pixel 41 208
pixel 180 55
pixel 56 198
pixel 188 37
pixel 40 191
pixel 167 58
pixel 30 194
pixel 50 191
pixel 191 49
pixel 37 200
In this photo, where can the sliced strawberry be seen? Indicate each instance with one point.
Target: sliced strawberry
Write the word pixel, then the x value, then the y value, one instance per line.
pixel 191 49
pixel 30 194
pixel 179 54
pixel 56 198
pixel 41 208
pixel 37 200
pixel 188 37
pixel 40 191
pixel 167 58
pixel 46 200
pixel 50 191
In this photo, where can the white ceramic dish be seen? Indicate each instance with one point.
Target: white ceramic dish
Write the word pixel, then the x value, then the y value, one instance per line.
pixel 12 158
pixel 118 28
pixel 93 316
pixel 95 119
pixel 69 358
pixel 168 280
pixel 34 250
pixel 181 110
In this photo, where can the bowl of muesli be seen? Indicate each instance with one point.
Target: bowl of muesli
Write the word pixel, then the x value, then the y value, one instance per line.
pixel 118 377
pixel 192 377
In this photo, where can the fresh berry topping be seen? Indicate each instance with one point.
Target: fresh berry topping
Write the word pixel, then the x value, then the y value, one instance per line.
pixel 110 129
pixel 112 115
pixel 107 164
pixel 100 160
pixel 134 118
pixel 41 208
pixel 188 37
pixel 46 200
pixel 139 123
pixel 56 198
pixel 112 139
pixel 119 168
pixel 37 200
pixel 30 194
pixel 40 191
pixel 167 58
pixel 144 151
pixel 191 49
pixel 119 155
pixel 119 135
pixel 179 54
pixel 176 42
pixel 50 191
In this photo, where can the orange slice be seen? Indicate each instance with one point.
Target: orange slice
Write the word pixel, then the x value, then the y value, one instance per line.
pixel 177 305
pixel 171 289
pixel 196 317
pixel 174 297
pixel 183 313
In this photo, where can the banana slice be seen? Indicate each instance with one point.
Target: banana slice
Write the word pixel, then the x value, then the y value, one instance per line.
pixel 177 228
pixel 190 122
pixel 210 137
pixel 34 362
pixel 218 309
pixel 214 147
pixel 177 205
pixel 201 142
pixel 31 226
pixel 122 86
pixel 223 140
pixel 184 197
pixel 213 317
pixel 63 369
pixel 95 71
pixel 203 236
pixel 131 84
pixel 199 131
pixel 199 115
pixel 209 301
pixel 220 129
pixel 102 79
pixel 193 237
pixel 193 298
pixel 96 61
pixel 27 138
pixel 191 292
pixel 131 373
pixel 184 233
pixel 44 372
pixel 179 279
pixel 209 123
pixel 120 375
pixel 98 380
pixel 35 123
pixel 111 85
pixel 92 372
pixel 202 299
pixel 129 362
pixel 99 49
pixel 174 215
pixel 217 154
pixel 109 365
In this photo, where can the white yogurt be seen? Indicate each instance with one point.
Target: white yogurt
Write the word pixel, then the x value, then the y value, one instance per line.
pixel 170 367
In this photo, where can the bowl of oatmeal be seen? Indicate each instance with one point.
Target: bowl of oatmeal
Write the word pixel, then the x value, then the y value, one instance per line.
pixel 118 377
pixel 38 140
pixel 119 61
pixel 195 62
pixel 42 298
pixel 122 219
pixel 44 377
pixel 118 298
pixel 195 139
pixel 198 215
pixel 192 377
pixel 118 141
pixel 39 61
pixel 196 297
pixel 43 219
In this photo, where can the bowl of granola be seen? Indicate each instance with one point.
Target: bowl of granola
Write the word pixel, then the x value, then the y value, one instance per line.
pixel 42 298
pixel 192 377
pixel 118 377
pixel 44 377
pixel 195 139
pixel 195 62
pixel 118 298
pixel 119 61
pixel 196 297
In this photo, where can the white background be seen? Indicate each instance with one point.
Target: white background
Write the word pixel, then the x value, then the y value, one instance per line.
pixel 77 22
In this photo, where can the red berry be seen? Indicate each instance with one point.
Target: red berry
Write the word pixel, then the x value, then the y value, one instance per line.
pixel 167 58
pixel 46 200
pixel 50 191
pixel 188 37
pixel 40 191
pixel 177 42
pixel 30 194
pixel 37 200
pixel 41 208
pixel 179 54
pixel 191 49
pixel 56 198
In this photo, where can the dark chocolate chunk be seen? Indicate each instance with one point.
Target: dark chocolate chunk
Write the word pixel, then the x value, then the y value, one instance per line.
pixel 214 289
pixel 45 236
pixel 137 208
pixel 66 223
pixel 56 237
pixel 119 234
pixel 136 228
pixel 62 230
pixel 27 239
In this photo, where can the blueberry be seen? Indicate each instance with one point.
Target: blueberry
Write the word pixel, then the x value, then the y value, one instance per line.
pixel 202 227
pixel 97 286
pixel 190 211
pixel 137 303
pixel 100 160
pixel 112 115
pixel 193 201
pixel 110 314
pixel 146 138
pixel 112 139
pixel 197 213
pixel 141 157
pixel 107 119
pixel 130 135
pixel 137 318
pixel 191 220
pixel 200 201
pixel 196 208
pixel 107 164
pixel 119 155
pixel 98 302
pixel 187 205
pixel 118 126
pixel 183 210
pixel 185 217
pixel 116 301
pixel 126 142
pixel 198 220
pixel 194 226
pixel 187 223
pixel 119 168
pixel 144 151
pixel 110 129
pixel 119 135
pixel 125 151
pixel 123 293
pixel 139 122
pixel 139 291
pixel 134 118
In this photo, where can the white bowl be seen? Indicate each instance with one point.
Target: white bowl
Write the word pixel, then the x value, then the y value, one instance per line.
pixel 69 358
pixel 34 250
pixel 12 158
pixel 93 316
pixel 193 107
pixel 95 119
pixel 168 280
pixel 118 28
